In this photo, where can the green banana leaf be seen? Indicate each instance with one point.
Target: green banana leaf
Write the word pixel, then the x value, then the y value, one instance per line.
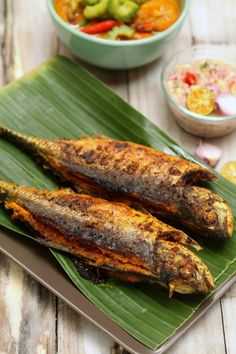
pixel 62 100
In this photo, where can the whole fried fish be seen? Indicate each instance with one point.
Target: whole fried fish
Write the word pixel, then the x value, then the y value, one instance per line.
pixel 162 183
pixel 127 243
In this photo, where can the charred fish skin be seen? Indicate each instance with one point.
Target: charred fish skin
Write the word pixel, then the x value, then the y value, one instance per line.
pixel 109 236
pixel 95 275
pixel 85 214
pixel 160 182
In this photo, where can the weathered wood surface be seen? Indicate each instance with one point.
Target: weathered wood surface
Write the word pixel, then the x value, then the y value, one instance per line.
pixel 32 320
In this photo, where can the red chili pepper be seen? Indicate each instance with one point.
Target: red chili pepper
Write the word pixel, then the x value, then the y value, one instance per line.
pixel 190 79
pixel 102 26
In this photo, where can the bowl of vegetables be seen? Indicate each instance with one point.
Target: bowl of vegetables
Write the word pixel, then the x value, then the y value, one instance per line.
pixel 199 84
pixel 118 34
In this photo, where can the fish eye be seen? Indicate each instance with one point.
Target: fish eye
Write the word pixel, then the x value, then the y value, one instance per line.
pixel 209 217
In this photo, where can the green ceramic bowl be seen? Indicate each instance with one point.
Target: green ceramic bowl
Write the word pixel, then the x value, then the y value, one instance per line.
pixel 116 54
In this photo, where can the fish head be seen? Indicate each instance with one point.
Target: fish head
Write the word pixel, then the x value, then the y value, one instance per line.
pixel 220 219
pixel 208 212
pixel 181 269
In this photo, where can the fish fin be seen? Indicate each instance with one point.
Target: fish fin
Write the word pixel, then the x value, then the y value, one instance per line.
pixel 194 244
pixel 98 135
pixel 181 237
pixel 171 289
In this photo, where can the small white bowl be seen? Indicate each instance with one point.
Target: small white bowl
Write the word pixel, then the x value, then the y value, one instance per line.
pixel 197 124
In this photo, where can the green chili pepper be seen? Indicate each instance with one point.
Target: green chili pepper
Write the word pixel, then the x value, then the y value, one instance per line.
pixel 96 11
pixel 123 10
pixel 120 31
pixel 89 2
pixel 84 22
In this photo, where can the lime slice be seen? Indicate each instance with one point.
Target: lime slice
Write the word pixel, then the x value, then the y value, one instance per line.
pixel 201 101
pixel 228 170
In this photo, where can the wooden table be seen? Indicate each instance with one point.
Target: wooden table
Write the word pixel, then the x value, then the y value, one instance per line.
pixel 32 320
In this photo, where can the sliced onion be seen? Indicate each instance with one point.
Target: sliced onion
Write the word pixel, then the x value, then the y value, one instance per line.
pixel 226 104
pixel 214 88
pixel 208 153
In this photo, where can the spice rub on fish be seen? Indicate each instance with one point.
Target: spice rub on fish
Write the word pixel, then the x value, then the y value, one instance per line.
pixel 127 243
pixel 162 183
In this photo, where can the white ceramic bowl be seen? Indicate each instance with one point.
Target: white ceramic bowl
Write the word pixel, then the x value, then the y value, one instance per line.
pixel 196 124
pixel 109 54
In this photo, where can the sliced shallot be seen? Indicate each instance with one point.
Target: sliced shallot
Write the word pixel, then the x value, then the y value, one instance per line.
pixel 208 153
pixel 226 104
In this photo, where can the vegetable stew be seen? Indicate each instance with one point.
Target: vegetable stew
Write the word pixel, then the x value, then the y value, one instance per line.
pixel 119 19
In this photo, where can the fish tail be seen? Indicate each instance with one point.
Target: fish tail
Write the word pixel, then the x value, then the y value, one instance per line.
pixel 25 142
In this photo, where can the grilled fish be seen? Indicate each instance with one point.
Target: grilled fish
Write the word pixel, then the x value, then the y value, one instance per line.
pixel 162 183
pixel 127 243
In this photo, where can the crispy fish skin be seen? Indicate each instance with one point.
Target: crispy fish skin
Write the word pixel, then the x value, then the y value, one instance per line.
pixel 163 183
pixel 109 235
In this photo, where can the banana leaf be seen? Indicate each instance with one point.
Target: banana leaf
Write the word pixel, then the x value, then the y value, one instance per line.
pixel 62 100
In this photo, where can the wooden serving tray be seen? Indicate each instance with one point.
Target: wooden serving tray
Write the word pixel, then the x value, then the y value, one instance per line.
pixel 62 100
